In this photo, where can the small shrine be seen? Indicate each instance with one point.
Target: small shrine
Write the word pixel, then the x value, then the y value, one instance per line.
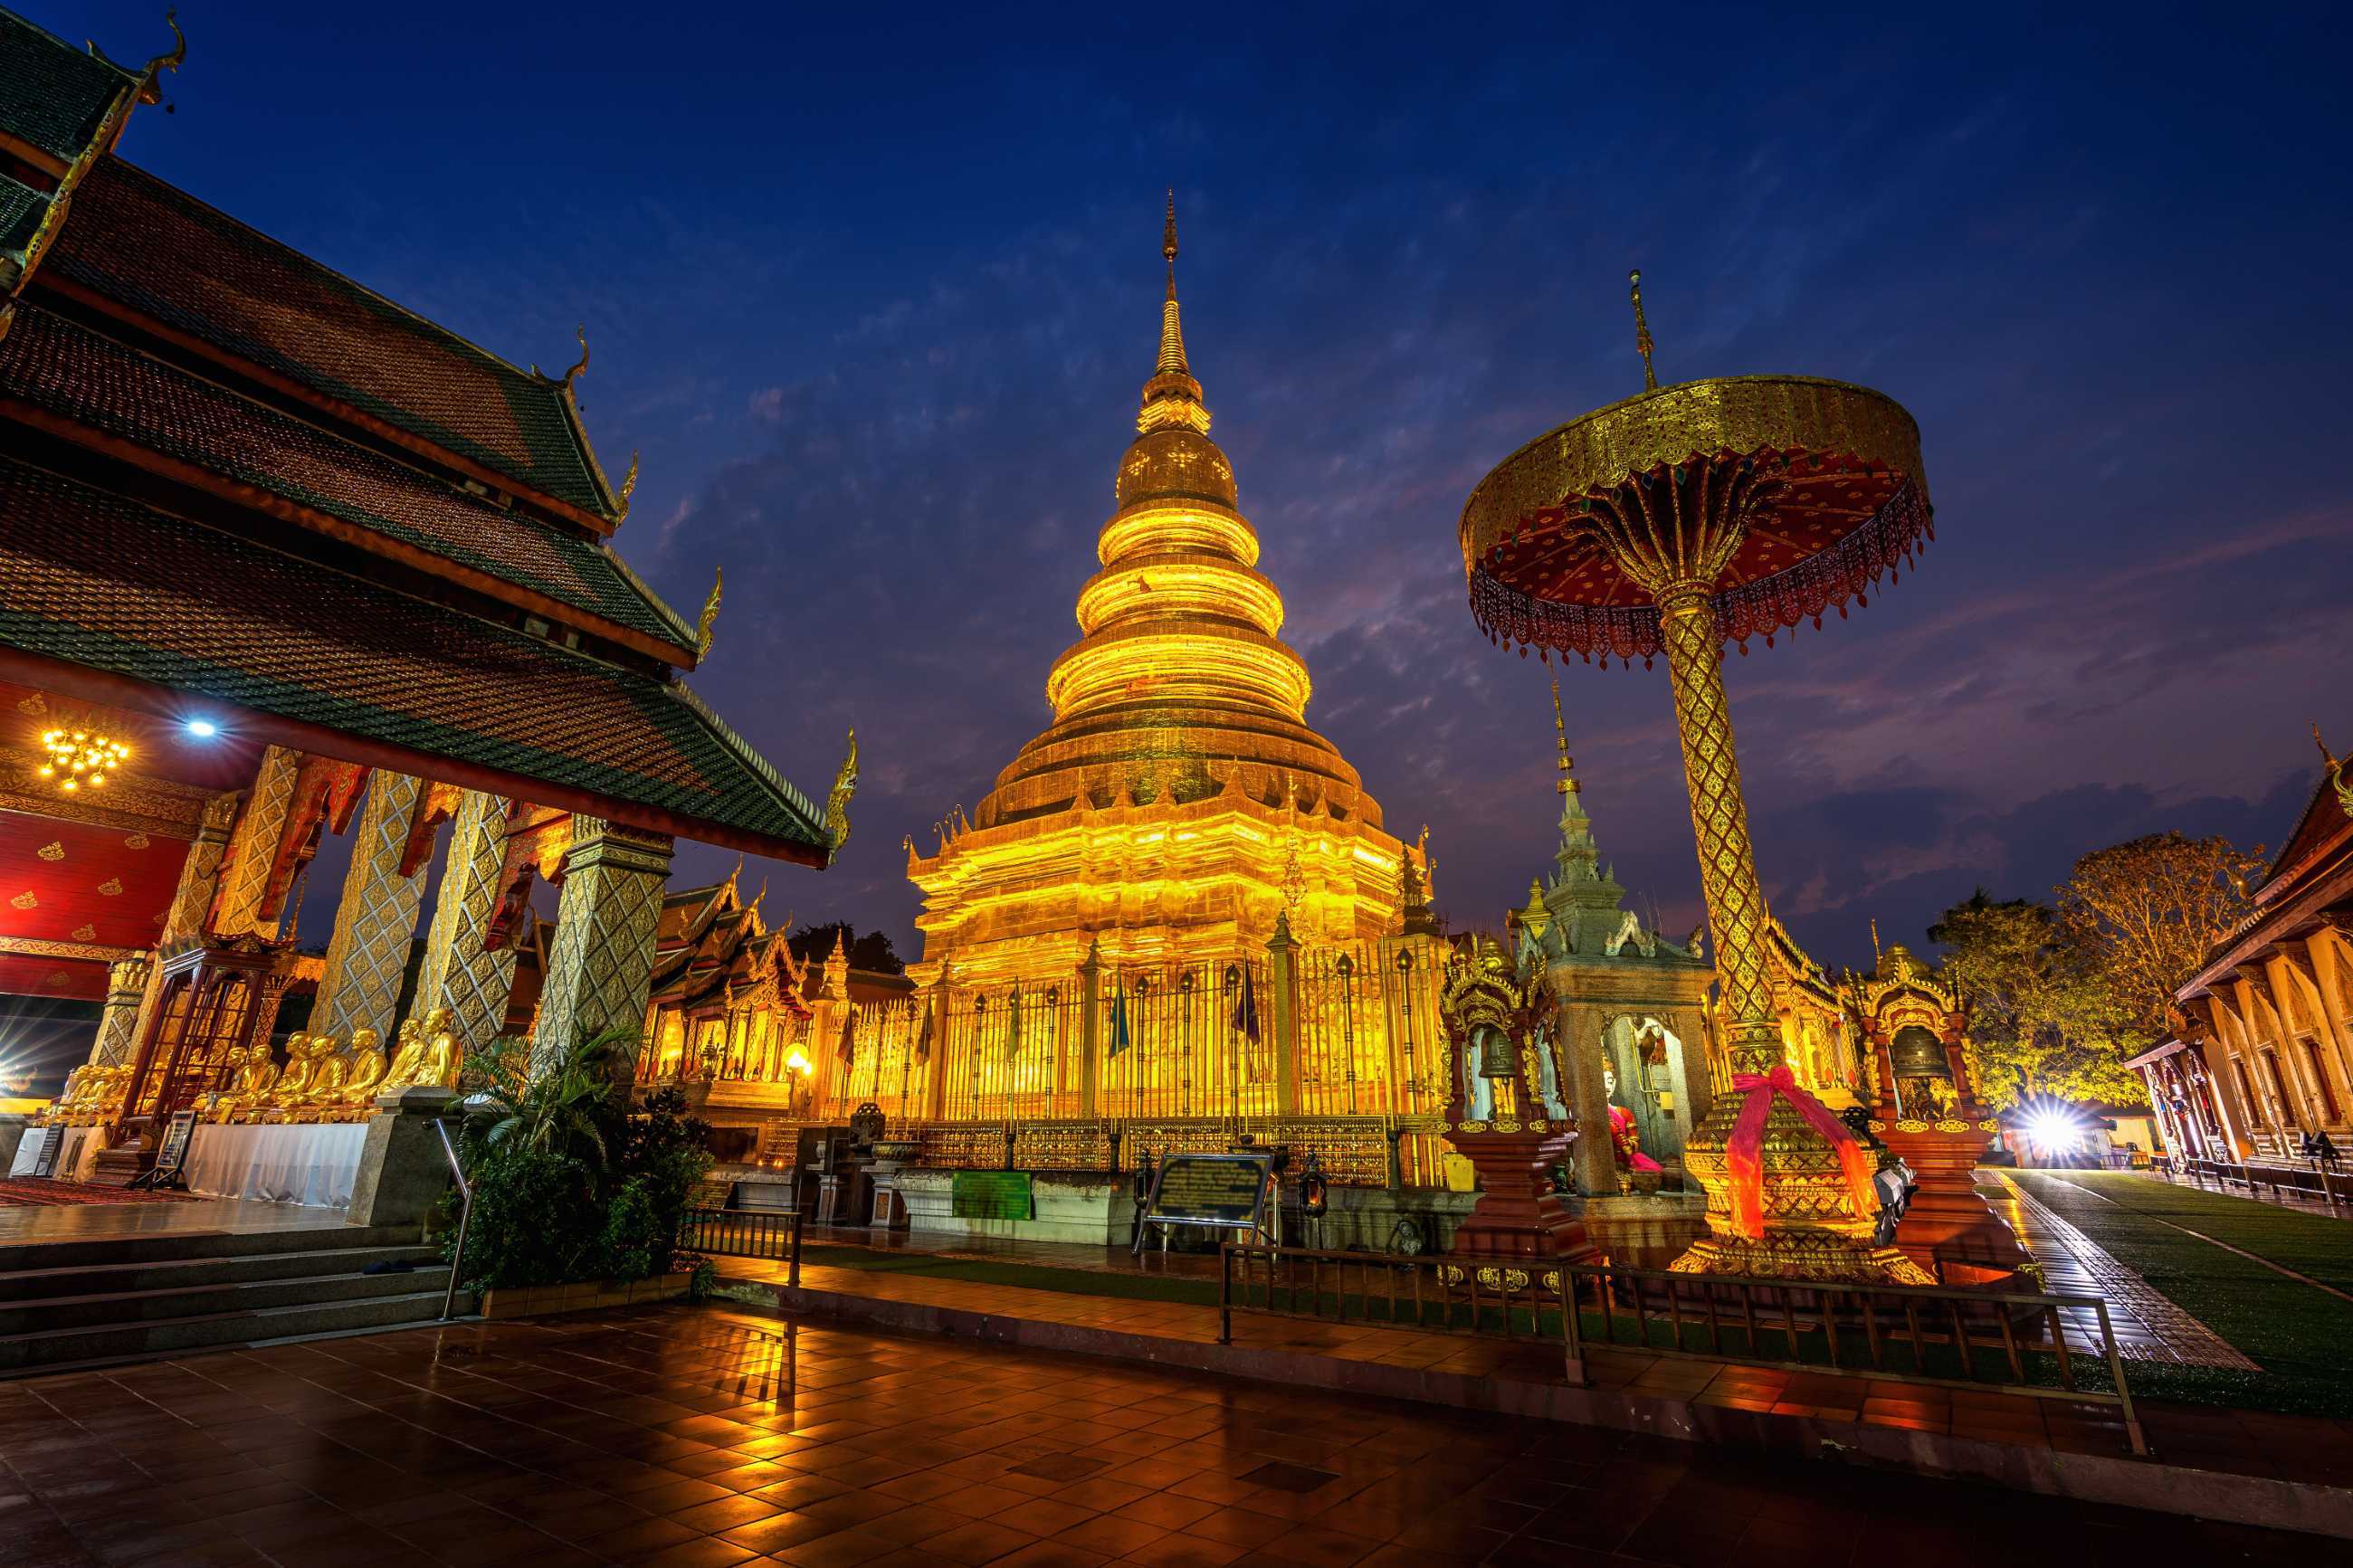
pixel 1506 1114
pixel 1923 1079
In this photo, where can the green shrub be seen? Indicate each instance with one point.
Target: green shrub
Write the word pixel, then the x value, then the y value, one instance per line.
pixel 570 1184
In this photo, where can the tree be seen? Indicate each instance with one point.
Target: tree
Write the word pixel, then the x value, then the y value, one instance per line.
pixel 872 953
pixel 2043 1018
pixel 2145 912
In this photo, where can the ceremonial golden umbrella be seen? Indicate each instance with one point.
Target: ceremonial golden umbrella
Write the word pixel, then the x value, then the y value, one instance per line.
pixel 1673 522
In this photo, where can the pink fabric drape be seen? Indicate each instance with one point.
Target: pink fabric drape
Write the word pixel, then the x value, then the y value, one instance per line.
pixel 1744 1155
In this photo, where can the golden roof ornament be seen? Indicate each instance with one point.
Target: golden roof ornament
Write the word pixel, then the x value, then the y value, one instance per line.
pixel 149 87
pixel 2335 766
pixel 1562 763
pixel 709 616
pixel 628 489
pixel 836 804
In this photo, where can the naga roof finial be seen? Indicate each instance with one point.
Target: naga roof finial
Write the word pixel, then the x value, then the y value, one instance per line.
pixel 710 617
pixel 837 804
pixel 628 489
pixel 580 335
pixel 1642 344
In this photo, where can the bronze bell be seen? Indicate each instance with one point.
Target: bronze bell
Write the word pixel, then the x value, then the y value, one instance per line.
pixel 1915 1052
pixel 1495 1055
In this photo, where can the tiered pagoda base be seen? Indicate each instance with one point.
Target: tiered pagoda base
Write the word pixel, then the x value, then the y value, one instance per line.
pixel 1519 1214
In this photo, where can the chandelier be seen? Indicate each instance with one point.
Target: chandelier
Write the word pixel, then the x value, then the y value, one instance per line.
pixel 79 757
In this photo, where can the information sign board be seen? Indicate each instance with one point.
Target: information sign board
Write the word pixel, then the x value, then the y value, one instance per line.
pixel 992 1194
pixel 45 1158
pixel 1223 1192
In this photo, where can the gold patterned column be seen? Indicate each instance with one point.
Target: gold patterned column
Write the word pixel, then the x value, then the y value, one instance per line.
pixel 244 878
pixel 458 973
pixel 376 919
pixel 118 1024
pixel 1813 1227
pixel 600 971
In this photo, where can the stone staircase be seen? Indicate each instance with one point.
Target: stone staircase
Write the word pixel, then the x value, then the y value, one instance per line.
pixel 72 1304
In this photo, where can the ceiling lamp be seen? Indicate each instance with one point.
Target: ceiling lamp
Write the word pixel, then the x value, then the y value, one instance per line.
pixel 79 757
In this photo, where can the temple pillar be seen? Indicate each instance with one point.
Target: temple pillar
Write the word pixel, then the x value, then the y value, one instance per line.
pixel 118 1023
pixel 600 969
pixel 458 973
pixel 368 953
pixel 1282 979
pixel 1578 1029
pixel 253 849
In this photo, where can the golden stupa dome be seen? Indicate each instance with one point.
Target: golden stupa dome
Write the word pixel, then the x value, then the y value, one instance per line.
pixel 1180 685
pixel 1176 463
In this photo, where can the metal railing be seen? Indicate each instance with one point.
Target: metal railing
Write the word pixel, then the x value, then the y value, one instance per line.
pixel 465 1219
pixel 2011 1341
pixel 771 1234
pixel 2316 1182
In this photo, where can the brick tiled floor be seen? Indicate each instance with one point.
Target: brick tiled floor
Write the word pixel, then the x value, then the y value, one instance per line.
pixel 697 1436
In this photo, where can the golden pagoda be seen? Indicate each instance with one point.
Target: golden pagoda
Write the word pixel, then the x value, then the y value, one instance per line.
pixel 1178 806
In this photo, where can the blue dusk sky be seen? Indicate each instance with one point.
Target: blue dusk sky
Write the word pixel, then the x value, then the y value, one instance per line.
pixel 873 289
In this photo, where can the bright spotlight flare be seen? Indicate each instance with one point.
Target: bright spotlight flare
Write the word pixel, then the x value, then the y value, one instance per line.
pixel 79 757
pixel 2054 1129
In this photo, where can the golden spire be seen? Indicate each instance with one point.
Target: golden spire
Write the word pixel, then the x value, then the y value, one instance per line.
pixel 1642 344
pixel 1568 784
pixel 1172 335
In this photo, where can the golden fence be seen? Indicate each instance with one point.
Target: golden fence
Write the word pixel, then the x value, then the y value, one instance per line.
pixel 1335 1049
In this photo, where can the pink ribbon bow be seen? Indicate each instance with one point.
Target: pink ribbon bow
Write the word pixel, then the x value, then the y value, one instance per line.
pixel 1744 1154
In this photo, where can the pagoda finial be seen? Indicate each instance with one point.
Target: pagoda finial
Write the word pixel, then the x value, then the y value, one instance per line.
pixel 1567 782
pixel 1172 335
pixel 1642 344
pixel 2327 761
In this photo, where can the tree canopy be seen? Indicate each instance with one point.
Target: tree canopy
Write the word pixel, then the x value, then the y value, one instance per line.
pixel 2042 1017
pixel 871 952
pixel 2146 911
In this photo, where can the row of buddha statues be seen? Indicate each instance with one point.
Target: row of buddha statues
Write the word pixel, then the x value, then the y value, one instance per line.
pixel 323 1079
pixel 326 1081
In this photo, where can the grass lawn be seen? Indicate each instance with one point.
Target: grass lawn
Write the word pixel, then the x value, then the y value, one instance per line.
pixel 2298 1335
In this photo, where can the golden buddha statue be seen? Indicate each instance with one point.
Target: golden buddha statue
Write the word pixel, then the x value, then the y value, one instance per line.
pixel 249 1092
pixel 363 1070
pixel 293 1084
pixel 323 1094
pixel 428 1058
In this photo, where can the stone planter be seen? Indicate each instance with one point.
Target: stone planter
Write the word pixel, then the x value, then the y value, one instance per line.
pixel 536 1301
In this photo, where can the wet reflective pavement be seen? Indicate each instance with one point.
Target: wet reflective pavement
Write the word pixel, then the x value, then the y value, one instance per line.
pixel 702 1436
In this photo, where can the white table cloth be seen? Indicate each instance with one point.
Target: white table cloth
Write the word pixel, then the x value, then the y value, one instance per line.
pixel 295 1163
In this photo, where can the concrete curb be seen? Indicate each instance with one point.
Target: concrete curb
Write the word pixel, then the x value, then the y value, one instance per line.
pixel 2125 1482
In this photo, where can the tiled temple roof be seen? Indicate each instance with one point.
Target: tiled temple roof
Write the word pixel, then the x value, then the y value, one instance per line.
pixel 151 246
pixel 69 371
pixel 53 97
pixel 92 579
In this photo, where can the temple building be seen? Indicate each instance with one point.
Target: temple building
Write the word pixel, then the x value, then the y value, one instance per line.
pixel 2265 1055
pixel 280 559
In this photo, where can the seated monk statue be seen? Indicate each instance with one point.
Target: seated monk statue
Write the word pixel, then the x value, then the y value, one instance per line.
pixel 71 1094
pixel 286 1095
pixel 363 1070
pixel 250 1090
pixel 407 1051
pixel 324 1091
pixel 427 1057
pixel 214 1104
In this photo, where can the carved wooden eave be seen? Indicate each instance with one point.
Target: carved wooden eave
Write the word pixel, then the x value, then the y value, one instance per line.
pixel 436 804
pixel 538 837
pixel 325 792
